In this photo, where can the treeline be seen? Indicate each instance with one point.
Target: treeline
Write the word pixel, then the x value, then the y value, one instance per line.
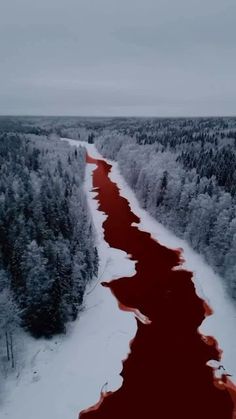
pixel 187 183
pixel 47 251
pixel 68 127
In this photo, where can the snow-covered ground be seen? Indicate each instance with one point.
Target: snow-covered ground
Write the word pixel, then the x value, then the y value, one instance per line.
pixel 56 379
pixel 209 286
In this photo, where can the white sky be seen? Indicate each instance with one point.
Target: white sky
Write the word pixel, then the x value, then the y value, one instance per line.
pixel 118 57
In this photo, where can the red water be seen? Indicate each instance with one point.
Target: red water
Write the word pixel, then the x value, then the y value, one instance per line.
pixel 165 375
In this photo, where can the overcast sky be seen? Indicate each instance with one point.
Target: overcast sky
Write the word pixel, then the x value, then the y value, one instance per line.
pixel 118 57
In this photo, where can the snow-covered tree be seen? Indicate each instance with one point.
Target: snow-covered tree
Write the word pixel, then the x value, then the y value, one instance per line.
pixel 9 318
pixel 45 229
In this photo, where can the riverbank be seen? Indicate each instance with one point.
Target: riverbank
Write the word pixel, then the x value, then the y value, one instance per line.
pixel 57 378
pixel 199 310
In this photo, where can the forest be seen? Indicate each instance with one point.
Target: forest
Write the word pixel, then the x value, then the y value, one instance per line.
pixel 47 250
pixel 183 172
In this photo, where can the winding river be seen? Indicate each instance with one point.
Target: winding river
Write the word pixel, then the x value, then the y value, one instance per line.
pixel 165 375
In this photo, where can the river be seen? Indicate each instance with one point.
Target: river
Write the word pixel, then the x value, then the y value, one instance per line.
pixel 165 376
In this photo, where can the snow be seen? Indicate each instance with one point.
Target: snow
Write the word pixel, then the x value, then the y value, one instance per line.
pixel 56 379
pixel 208 285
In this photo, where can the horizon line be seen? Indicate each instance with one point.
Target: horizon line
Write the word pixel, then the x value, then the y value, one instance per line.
pixel 116 116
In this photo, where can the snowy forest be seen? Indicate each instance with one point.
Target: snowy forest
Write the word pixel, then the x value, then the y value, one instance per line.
pixel 47 251
pixel 183 172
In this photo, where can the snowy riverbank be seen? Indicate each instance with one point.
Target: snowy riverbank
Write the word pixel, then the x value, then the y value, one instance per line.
pixel 58 378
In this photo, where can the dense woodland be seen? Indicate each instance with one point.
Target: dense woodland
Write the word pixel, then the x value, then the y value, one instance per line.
pixel 184 173
pixel 47 251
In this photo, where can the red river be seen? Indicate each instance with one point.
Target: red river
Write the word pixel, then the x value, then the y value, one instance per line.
pixel 165 376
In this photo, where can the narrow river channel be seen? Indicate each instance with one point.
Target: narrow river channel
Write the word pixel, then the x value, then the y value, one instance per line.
pixel 165 375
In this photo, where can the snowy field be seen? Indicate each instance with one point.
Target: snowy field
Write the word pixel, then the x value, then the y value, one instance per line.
pixel 56 379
